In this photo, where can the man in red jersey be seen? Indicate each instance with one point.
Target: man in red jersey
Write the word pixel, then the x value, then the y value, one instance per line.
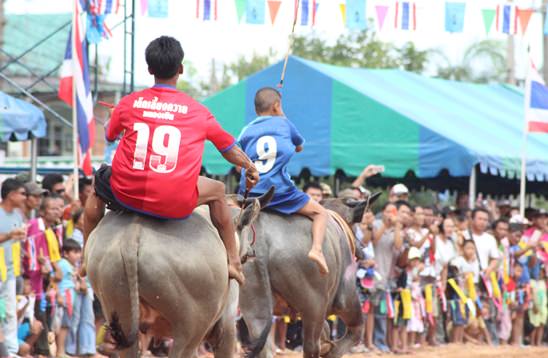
pixel 156 168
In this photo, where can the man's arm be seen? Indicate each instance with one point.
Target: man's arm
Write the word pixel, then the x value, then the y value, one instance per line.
pixel 237 156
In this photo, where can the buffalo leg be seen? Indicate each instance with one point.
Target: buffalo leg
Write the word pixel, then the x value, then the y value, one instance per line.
pixel 353 319
pixel 312 330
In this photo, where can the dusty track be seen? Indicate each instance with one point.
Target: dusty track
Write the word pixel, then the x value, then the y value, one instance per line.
pixel 457 351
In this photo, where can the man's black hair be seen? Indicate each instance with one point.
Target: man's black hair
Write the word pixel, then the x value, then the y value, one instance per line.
pixel 312 185
pixel 265 99
pixel 50 180
pixel 498 221
pixel 401 203
pixel 82 183
pixel 10 185
pixel 164 55
pixel 385 205
pixel 479 210
pixel 71 245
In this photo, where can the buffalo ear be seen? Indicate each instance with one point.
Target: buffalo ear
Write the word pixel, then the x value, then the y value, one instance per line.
pixel 360 206
pixel 266 197
pixel 250 214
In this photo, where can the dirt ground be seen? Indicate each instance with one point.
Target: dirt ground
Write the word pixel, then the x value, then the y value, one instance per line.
pixel 457 351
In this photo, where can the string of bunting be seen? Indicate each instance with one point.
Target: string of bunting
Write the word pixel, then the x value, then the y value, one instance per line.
pixel 497 16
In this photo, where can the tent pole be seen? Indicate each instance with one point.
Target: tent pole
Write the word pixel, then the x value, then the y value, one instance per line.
pixel 33 159
pixel 472 188
pixel 75 16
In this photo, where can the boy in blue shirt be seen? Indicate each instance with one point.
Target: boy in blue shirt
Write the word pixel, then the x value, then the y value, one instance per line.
pixel 68 298
pixel 270 141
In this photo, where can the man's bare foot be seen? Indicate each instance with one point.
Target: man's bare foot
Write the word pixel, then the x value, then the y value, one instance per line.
pixel 235 272
pixel 319 259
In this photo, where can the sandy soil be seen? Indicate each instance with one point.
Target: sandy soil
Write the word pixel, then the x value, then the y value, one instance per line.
pixel 458 351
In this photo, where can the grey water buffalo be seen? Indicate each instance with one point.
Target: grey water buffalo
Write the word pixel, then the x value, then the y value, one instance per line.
pixel 166 278
pixel 282 276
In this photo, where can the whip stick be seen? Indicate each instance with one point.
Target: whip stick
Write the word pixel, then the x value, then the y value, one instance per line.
pixel 281 84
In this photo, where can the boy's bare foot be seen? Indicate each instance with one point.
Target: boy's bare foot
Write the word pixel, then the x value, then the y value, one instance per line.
pixel 235 272
pixel 319 259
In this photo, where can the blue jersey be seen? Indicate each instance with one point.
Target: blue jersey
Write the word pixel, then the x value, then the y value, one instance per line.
pixel 270 143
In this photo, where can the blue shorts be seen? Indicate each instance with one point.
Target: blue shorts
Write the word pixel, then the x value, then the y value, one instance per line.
pixel 288 202
pixel 23 332
pixel 457 315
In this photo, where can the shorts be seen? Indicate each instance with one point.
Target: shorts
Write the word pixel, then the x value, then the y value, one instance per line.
pixel 104 191
pixel 23 332
pixel 457 316
pixel 287 203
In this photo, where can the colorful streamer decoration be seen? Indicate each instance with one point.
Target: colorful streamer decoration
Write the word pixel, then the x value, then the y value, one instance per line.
pixel 53 246
pixel 454 16
pixel 355 15
pixel 406 303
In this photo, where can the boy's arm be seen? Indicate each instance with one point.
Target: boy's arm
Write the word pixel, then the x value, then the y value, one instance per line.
pixel 236 156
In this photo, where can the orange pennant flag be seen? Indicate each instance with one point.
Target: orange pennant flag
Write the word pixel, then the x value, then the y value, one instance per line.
pixel 274 7
pixel 524 16
pixel 343 12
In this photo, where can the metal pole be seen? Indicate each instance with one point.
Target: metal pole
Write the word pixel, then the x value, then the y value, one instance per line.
pixel 472 188
pixel 132 76
pixel 124 83
pixel 34 46
pixel 523 177
pixel 33 159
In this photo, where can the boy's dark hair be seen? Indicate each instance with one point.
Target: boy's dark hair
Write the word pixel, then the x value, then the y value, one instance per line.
pixel 77 215
pixel 401 203
pixel 71 245
pixel 385 205
pixel 164 55
pixel 498 221
pixel 313 185
pixel 468 241
pixel 50 180
pixel 265 99
pixel 10 185
pixel 82 183
pixel 479 210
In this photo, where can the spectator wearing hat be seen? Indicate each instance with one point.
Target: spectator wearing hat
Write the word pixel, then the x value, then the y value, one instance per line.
pixel 398 192
pixel 34 198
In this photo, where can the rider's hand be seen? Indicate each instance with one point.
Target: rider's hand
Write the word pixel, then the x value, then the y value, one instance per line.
pixel 251 177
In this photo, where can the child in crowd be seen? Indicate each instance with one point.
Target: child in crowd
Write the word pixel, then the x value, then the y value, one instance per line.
pixel 518 298
pixel 68 299
pixel 458 309
pixel 538 313
pixel 29 329
pixel 476 331
pixel 404 303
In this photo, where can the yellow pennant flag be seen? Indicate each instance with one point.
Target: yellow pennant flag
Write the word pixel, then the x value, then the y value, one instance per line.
pixel 343 12
pixel 457 289
pixel 428 298
pixel 495 284
pixel 471 286
pixel 53 246
pixel 406 303
pixel 16 257
pixel 3 267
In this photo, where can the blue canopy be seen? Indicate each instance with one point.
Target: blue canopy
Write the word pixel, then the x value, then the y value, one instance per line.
pixel 351 117
pixel 20 120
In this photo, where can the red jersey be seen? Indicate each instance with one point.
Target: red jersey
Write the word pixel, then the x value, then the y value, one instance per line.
pixel 156 166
